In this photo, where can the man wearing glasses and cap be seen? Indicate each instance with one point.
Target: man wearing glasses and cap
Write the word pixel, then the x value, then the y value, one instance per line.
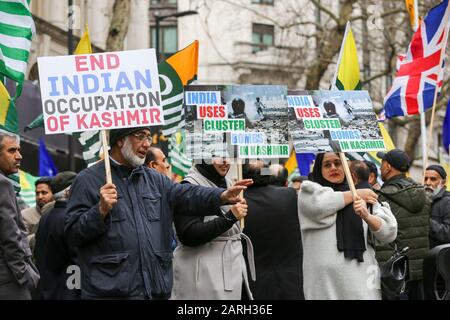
pixel 123 231
pixel 434 182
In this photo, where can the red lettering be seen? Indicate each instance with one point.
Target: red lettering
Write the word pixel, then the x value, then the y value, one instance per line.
pixel 118 117
pixel 94 121
pixel 316 113
pixel 299 113
pixel 112 61
pixel 201 112
pixel 64 120
pixel 81 124
pixel 222 112
pixel 155 115
pixel 97 60
pixel 52 124
pixel 81 63
pixel 106 118
pixel 211 112
pixel 307 113
pixel 133 117
pixel 144 116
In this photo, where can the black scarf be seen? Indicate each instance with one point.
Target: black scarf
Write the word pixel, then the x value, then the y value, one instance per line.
pixel 349 226
pixel 210 173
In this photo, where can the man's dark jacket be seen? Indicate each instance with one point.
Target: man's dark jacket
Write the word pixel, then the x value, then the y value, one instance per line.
pixel 273 226
pixel 129 255
pixel 411 207
pixel 440 219
pixel 53 256
pixel 15 254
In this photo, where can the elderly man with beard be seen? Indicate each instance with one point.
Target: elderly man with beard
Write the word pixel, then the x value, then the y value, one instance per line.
pixel 123 230
pixel 434 182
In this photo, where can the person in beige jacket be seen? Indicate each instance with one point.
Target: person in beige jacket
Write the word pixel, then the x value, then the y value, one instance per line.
pixel 209 263
pixel 31 216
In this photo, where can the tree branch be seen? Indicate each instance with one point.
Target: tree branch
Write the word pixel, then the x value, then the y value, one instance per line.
pixel 327 11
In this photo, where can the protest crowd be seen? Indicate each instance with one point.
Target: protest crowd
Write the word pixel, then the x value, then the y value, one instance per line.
pixel 348 226
pixel 321 243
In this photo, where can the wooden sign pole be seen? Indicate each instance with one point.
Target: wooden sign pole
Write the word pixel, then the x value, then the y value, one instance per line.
pixel 106 156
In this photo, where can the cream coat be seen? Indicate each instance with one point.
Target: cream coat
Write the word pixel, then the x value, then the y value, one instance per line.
pixel 215 270
pixel 327 275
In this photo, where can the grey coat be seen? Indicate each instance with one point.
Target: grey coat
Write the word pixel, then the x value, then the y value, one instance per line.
pixel 215 270
pixel 17 273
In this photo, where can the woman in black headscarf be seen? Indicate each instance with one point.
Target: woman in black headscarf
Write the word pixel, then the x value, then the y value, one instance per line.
pixel 209 262
pixel 338 263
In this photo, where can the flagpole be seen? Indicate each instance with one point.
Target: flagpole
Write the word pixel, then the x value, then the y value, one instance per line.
pixel 433 108
pixel 423 133
pixel 239 173
pixel 348 174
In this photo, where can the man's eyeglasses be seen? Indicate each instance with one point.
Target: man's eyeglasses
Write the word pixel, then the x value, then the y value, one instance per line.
pixel 142 137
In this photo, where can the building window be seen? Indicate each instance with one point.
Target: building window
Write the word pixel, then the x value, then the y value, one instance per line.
pixel 262 37
pixel 163 2
pixel 270 2
pixel 168 40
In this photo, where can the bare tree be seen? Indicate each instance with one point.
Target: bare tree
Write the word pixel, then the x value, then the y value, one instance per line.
pixel 329 42
pixel 119 25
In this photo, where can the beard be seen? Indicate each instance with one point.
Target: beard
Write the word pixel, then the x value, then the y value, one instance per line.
pixel 433 191
pixel 129 155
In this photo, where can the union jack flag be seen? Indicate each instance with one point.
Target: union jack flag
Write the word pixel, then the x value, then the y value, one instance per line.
pixel 420 72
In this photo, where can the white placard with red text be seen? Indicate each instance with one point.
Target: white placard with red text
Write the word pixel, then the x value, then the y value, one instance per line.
pixel 100 91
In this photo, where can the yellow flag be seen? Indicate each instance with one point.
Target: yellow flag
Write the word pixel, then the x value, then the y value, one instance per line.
pixel 84 46
pixel 411 6
pixel 347 73
pixel 387 142
pixel 8 112
pixel 446 166
pixel 4 104
pixel 291 163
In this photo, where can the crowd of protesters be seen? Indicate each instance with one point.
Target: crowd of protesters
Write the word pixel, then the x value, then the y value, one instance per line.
pixel 145 237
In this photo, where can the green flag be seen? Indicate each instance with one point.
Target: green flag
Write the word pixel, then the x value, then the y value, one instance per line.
pixel 178 159
pixel 36 123
pixel 16 31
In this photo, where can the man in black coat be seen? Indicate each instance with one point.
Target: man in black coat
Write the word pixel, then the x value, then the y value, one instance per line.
pixel 434 182
pixel 53 255
pixel 273 226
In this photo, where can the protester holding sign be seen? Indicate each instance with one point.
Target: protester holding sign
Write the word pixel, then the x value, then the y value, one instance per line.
pixel 123 230
pixel 338 263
